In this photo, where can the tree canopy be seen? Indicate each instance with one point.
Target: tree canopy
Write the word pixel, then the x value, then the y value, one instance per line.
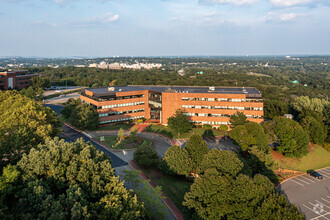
pixel 178 160
pixel 291 137
pixel 250 134
pixel 237 119
pixel 179 122
pixel 61 180
pixel 196 148
pixel 23 124
pixel 80 115
pixel 315 130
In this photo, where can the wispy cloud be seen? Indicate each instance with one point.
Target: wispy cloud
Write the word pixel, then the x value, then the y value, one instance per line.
pixel 281 17
pixel 46 24
pixel 233 2
pixel 293 3
pixel 102 19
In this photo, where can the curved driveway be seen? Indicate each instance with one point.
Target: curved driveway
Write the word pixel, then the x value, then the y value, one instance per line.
pixel 310 195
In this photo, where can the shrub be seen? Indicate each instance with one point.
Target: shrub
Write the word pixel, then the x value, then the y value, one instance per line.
pixel 207 126
pixel 326 146
pixel 199 126
pixel 146 156
pixel 223 128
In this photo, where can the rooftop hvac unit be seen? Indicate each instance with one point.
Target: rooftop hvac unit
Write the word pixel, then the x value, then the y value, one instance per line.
pixel 211 88
pixel 111 89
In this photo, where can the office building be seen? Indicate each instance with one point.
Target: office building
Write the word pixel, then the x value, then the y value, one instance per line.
pixel 18 79
pixel 202 105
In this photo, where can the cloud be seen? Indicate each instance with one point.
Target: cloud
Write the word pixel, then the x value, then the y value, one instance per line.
pixel 99 20
pixel 292 3
pixel 46 24
pixel 281 17
pixel 234 2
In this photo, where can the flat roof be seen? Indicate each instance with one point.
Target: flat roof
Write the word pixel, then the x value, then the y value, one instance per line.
pixel 178 89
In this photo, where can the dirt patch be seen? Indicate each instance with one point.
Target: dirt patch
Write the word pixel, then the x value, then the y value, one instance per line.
pixel 277 156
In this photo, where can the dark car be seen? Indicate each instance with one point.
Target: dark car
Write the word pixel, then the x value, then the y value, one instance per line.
pixel 314 174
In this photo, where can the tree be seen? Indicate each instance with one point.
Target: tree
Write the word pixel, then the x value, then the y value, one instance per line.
pixel 132 134
pixel 121 135
pixel 30 92
pixel 23 124
pixel 178 160
pixel 61 180
pixel 151 197
pixel 179 122
pixel 237 119
pixel 303 103
pixel 292 139
pixel 213 196
pixel 146 156
pixel 81 115
pixel 315 130
pixel 196 148
pixel 225 162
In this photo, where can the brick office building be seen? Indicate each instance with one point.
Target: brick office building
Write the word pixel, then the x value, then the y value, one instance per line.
pixel 18 79
pixel 202 105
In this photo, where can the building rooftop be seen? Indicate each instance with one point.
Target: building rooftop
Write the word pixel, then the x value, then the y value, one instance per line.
pixel 178 89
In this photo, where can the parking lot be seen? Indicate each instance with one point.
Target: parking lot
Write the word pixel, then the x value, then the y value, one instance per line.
pixel 214 142
pixel 309 194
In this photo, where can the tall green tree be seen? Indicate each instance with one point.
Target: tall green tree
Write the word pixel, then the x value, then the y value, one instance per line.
pixel 225 162
pixel 315 129
pixel 179 122
pixel 196 147
pixel 291 137
pixel 61 180
pixel 146 156
pixel 237 119
pixel 213 196
pixel 250 134
pixel 23 124
pixel 178 160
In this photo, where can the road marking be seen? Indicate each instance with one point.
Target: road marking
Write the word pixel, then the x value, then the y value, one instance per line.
pixel 297 182
pixel 324 174
pixel 323 216
pixel 322 204
pixel 307 178
pixel 325 200
pixel 302 181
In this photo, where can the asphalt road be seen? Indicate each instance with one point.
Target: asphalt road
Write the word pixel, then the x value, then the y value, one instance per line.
pixel 72 135
pixel 310 195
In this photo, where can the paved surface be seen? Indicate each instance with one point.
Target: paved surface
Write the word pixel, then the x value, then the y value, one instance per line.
pixel 72 135
pixel 62 99
pixel 220 143
pixel 311 195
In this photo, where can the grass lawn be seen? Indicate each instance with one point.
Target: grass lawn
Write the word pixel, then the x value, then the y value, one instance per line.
pixel 316 159
pixel 114 127
pixel 175 187
pixel 200 131
pixel 112 141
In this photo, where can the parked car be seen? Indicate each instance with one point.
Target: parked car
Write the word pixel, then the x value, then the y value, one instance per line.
pixel 314 174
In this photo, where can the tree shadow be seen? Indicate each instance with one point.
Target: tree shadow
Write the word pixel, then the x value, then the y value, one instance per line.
pixel 208 133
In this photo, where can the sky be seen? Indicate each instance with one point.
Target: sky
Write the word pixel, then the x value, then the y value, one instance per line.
pixel 105 28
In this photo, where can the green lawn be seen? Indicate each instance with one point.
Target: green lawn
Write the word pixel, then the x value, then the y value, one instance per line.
pixel 114 127
pixel 200 131
pixel 175 188
pixel 112 141
pixel 317 159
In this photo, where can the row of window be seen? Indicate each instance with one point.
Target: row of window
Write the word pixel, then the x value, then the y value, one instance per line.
pixel 218 115
pixel 111 98
pixel 121 112
pixel 122 105
pixel 211 122
pixel 220 99
pixel 121 119
pixel 223 107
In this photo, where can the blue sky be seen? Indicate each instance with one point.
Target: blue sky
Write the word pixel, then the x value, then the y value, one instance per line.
pixel 52 28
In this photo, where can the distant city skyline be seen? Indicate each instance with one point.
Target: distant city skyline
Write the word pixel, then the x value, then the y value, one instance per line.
pixel 106 28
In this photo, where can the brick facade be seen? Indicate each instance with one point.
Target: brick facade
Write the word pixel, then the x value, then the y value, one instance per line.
pixel 15 79
pixel 201 105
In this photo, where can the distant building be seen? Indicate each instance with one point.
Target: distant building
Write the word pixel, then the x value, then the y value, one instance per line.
pixel 202 105
pixel 18 79
pixel 289 116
